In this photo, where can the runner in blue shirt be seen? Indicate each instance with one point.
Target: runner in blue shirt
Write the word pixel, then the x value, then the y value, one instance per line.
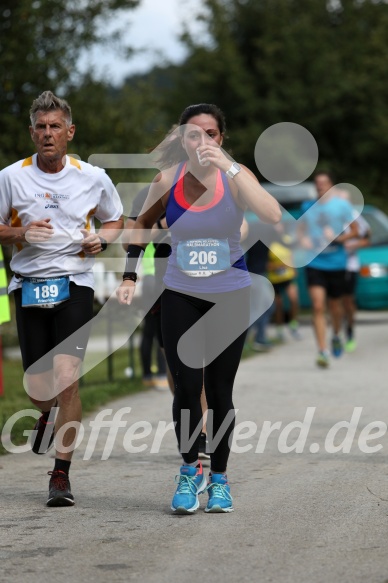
pixel 326 258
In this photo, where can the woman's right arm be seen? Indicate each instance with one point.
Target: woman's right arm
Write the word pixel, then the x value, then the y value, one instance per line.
pixel 140 234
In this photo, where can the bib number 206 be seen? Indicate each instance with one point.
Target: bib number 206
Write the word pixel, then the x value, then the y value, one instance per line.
pixel 203 258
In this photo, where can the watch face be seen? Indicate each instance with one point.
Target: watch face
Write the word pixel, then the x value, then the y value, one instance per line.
pixel 233 170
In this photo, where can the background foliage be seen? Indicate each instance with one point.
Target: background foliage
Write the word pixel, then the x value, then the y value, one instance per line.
pixel 317 63
pixel 40 44
pixel 272 61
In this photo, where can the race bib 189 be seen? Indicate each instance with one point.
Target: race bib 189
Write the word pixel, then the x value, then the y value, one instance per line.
pixel 44 293
pixel 203 257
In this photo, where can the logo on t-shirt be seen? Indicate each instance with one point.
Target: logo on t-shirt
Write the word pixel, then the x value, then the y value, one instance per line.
pixel 51 200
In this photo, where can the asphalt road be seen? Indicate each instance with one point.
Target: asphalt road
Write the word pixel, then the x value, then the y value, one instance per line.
pixel 319 515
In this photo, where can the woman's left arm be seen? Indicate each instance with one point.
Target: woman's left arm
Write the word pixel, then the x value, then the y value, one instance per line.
pixel 250 192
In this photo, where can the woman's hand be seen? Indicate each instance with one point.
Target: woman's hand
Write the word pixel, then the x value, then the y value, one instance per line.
pixel 214 154
pixel 126 292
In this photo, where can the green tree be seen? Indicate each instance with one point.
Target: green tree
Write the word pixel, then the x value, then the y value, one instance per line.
pixel 317 63
pixel 128 120
pixel 40 43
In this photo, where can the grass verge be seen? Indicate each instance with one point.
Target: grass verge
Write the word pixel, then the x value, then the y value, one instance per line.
pixel 94 392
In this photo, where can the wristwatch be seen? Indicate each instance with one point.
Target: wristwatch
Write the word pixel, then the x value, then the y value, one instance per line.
pixel 104 243
pixel 233 170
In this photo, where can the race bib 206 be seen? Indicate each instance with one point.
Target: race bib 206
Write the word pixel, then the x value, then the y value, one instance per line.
pixel 203 257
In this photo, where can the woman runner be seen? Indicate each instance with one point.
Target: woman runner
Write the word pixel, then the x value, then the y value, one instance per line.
pixel 205 306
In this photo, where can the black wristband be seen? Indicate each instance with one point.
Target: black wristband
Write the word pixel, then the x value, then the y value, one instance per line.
pixel 104 243
pixel 160 226
pixel 132 276
pixel 133 254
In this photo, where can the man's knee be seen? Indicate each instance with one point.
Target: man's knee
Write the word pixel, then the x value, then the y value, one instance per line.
pixel 318 306
pixel 40 387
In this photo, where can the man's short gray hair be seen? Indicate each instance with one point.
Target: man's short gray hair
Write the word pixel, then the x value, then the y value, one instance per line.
pixel 47 102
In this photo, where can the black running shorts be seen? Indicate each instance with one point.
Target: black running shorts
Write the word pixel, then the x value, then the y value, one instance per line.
pixel 334 282
pixel 45 332
pixel 350 282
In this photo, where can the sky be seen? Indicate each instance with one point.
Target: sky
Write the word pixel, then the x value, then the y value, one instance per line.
pixel 153 27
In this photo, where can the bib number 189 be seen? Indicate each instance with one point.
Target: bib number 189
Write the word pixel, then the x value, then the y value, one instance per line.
pixel 41 292
pixel 46 291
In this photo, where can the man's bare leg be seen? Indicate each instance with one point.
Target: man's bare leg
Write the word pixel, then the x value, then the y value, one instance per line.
pixel 318 300
pixel 66 374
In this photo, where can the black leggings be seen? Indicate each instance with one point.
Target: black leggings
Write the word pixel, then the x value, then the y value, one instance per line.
pixel 200 364
pixel 149 333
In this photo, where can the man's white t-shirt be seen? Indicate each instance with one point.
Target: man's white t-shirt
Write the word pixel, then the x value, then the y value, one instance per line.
pixel 72 199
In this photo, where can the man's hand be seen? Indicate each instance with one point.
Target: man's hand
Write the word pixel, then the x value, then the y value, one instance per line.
pixel 91 245
pixel 329 235
pixel 39 231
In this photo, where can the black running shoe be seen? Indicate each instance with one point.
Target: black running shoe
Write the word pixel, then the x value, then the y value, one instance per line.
pixel 59 489
pixel 203 452
pixel 44 436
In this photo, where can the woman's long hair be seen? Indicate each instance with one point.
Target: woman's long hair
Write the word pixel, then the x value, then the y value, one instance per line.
pixel 171 152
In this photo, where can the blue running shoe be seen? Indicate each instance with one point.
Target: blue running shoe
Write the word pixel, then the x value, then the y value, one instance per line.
pixel 336 346
pixel 220 499
pixel 191 482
